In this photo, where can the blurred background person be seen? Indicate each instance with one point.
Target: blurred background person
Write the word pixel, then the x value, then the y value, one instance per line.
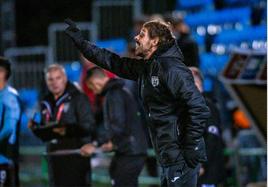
pixel 123 123
pixel 68 110
pixel 212 172
pixel 187 44
pixel 10 114
pixel 96 103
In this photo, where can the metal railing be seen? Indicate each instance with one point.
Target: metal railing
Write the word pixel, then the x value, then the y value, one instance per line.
pixel 115 18
pixel 61 48
pixel 145 179
pixel 28 64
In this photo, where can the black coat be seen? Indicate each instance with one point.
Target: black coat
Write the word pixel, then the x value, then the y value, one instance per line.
pixel 76 115
pixel 122 119
pixel 176 110
pixel 189 49
pixel 214 167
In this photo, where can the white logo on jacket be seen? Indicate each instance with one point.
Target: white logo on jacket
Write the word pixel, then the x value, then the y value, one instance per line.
pixel 175 178
pixel 155 81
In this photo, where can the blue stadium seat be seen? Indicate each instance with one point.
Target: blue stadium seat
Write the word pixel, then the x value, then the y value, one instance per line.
pixel 24 122
pixel 118 46
pixel 188 4
pixel 248 34
pixel 240 2
pixel 73 71
pixel 205 18
pixel 199 39
pixel 211 65
pixel 29 97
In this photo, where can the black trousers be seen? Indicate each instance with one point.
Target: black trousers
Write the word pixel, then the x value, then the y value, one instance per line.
pixel 8 175
pixel 179 175
pixel 152 168
pixel 70 170
pixel 125 170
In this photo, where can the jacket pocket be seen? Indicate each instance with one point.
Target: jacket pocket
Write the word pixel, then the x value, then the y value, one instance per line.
pixel 176 131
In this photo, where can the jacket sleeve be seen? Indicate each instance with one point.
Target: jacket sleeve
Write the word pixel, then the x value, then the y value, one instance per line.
pixel 11 114
pixel 181 85
pixel 128 68
pixel 114 113
pixel 214 144
pixel 85 120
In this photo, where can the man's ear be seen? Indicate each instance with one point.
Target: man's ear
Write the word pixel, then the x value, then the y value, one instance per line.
pixel 155 41
pixel 65 79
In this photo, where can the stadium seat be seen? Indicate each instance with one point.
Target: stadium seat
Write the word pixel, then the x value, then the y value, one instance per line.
pixel 248 34
pixel 73 71
pixel 118 46
pixel 189 4
pixel 24 122
pixel 29 97
pixel 232 16
pixel 199 39
pixel 240 2
pixel 211 64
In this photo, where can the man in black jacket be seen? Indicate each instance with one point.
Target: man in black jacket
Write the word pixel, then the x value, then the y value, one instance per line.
pixel 123 124
pixel 176 110
pixel 67 112
pixel 212 173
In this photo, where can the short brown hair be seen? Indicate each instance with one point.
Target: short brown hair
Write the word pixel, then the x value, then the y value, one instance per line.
pixel 161 30
pixel 95 72
pixel 4 63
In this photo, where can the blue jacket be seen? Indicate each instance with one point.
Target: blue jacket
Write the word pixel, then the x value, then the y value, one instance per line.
pixel 10 113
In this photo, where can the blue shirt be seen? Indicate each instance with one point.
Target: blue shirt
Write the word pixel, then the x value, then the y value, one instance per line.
pixel 9 115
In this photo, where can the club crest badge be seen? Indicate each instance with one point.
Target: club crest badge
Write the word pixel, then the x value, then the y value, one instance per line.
pixel 155 81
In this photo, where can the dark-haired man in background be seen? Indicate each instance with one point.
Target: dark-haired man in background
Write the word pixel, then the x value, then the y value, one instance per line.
pixel 122 122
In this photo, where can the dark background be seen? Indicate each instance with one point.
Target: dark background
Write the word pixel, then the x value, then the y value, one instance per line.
pixel 34 16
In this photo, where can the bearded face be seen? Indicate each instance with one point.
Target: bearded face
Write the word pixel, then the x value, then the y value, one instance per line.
pixel 144 44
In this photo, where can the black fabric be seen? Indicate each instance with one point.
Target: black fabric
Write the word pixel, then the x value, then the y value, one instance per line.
pixel 179 175
pixel 125 170
pixel 73 32
pixel 193 157
pixel 176 110
pixel 70 170
pixel 189 49
pixel 4 63
pixel 122 120
pixel 152 168
pixel 214 167
pixel 2 118
pixel 8 175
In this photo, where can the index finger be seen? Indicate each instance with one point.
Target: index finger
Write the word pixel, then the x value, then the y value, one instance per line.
pixel 70 22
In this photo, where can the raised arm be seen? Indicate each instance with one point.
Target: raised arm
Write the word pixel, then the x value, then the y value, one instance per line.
pixel 128 68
